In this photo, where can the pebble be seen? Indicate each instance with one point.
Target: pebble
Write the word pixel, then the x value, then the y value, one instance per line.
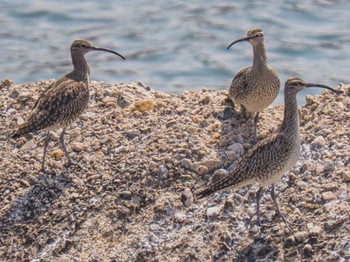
pixel 318 142
pixel 78 147
pixel 180 216
pixel 214 211
pixel 28 145
pixel 24 96
pixel 307 248
pixel 199 169
pixel 302 184
pixel 162 172
pixel 14 94
pixel 319 168
pixel 212 164
pixel 301 235
pixel 57 154
pixel 144 106
pixel 327 196
pixel 346 175
pixel 315 231
pixel 237 148
pixel 20 121
pixel 186 163
pixel 6 83
pixel 53 136
pixel 187 197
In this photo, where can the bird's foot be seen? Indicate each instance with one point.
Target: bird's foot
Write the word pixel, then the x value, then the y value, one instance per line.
pixel 72 163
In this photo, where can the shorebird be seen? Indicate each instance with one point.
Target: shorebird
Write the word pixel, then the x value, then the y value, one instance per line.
pixel 65 100
pixel 270 158
pixel 255 87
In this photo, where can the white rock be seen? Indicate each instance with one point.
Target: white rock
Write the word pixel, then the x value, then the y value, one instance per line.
pixel 237 148
pixel 214 211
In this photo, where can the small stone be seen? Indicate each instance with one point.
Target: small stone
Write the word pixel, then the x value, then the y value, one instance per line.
pixel 57 154
pixel 199 169
pixel 186 163
pixel 205 100
pixel 180 109
pixel 126 195
pixel 180 216
pixel 301 236
pixel 212 164
pixel 214 211
pixel 187 197
pixel 24 97
pixel 237 148
pixel 327 196
pixel 53 136
pixel 302 184
pixel 14 94
pixel 307 248
pixel 145 105
pixel 28 145
pixel 330 186
pixel 104 139
pixel 162 172
pixel 318 142
pixel 315 231
pixel 319 168
pixel 20 121
pixel 7 83
pixel 109 99
pixel 121 101
pixel 346 175
pixel 78 147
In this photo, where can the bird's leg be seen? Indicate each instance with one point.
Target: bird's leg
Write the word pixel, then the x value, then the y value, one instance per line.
pixel 46 143
pixel 256 119
pixel 273 195
pixel 70 161
pixel 258 197
pixel 244 112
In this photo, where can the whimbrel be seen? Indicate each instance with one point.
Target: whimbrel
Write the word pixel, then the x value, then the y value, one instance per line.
pixel 270 158
pixel 255 87
pixel 65 100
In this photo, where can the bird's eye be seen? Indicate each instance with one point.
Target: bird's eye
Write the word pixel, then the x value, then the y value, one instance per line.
pixel 83 46
pixel 257 35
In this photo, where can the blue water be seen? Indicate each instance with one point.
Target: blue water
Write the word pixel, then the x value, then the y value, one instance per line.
pixel 174 46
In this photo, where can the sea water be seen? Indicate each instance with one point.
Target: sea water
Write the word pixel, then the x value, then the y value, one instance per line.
pixel 173 46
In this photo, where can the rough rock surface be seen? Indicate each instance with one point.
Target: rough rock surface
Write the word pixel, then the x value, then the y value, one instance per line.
pixel 142 153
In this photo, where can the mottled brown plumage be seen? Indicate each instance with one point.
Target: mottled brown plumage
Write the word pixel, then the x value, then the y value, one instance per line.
pixel 65 100
pixel 255 87
pixel 269 159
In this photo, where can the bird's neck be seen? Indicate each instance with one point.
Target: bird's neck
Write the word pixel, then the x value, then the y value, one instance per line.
pixel 291 115
pixel 81 71
pixel 259 58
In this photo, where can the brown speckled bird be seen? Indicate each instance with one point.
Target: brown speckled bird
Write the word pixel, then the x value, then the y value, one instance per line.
pixel 270 158
pixel 65 100
pixel 255 87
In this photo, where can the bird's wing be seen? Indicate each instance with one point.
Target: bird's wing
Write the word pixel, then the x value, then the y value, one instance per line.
pixel 55 104
pixel 239 83
pixel 259 162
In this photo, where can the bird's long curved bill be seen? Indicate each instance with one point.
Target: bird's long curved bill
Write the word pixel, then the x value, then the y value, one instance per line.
pixel 245 38
pixel 321 86
pixel 107 50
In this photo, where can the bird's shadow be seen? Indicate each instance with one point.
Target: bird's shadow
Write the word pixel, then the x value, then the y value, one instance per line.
pixel 27 208
pixel 259 250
